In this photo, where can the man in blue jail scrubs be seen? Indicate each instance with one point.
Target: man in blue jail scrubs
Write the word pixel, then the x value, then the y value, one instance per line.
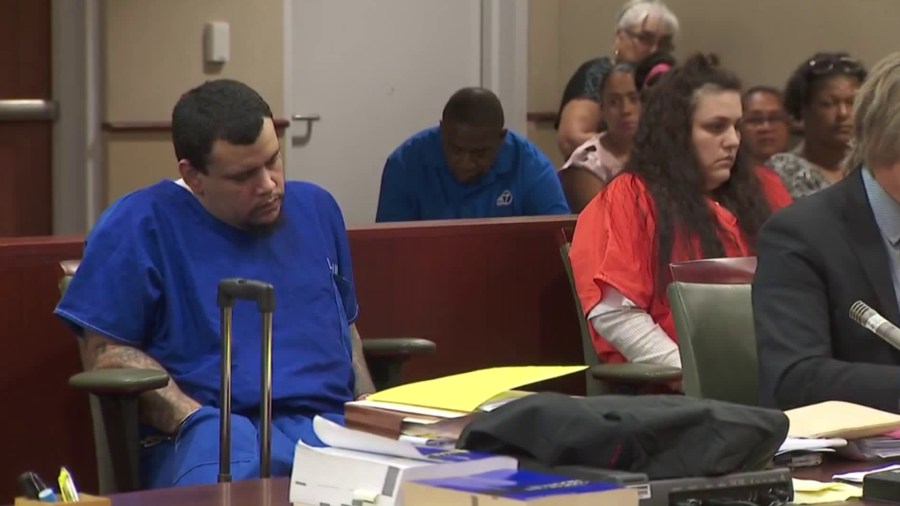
pixel 145 293
pixel 468 167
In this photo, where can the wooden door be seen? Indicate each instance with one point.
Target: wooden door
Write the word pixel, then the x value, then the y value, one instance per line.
pixel 25 144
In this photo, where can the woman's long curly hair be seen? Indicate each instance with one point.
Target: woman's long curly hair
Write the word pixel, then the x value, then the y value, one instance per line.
pixel 663 156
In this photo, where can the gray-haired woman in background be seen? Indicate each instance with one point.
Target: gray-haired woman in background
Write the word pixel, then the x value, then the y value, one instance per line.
pixel 643 27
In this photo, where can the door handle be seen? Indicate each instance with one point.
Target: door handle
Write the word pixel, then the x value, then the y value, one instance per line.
pixel 28 110
pixel 302 140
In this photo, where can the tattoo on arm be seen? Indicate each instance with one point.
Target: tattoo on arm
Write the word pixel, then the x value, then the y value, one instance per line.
pixel 364 383
pixel 164 408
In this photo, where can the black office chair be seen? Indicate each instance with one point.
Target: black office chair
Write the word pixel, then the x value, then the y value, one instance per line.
pixel 114 399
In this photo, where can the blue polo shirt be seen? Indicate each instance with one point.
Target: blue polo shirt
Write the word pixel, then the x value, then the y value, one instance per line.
pixel 417 183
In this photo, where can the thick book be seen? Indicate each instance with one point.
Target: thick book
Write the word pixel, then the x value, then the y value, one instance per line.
pixel 396 420
pixel 516 488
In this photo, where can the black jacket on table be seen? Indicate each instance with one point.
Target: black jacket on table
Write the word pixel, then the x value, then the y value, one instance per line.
pixel 816 258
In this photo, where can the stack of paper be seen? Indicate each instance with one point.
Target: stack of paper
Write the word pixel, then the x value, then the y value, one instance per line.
pixel 361 468
pixel 806 452
pixel 801 444
pixel 877 447
pixel 858 476
pixel 434 412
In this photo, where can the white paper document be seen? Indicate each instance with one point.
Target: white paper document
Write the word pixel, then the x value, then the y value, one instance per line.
pixel 857 477
pixel 793 444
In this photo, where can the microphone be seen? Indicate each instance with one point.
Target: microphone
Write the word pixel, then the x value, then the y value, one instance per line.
pixel 862 314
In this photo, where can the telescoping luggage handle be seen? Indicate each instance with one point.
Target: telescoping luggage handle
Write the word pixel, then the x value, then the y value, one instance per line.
pixel 263 294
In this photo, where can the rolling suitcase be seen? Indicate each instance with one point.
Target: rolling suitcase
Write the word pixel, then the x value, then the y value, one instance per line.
pixel 263 294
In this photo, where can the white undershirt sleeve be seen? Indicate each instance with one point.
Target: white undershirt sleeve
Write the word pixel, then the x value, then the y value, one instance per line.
pixel 632 330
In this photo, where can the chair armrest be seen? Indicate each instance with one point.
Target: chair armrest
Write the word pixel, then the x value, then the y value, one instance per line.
pixel 120 381
pixel 635 373
pixel 397 346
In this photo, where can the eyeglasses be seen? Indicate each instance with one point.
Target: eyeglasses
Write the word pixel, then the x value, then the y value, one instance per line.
pixel 841 64
pixel 761 119
pixel 663 43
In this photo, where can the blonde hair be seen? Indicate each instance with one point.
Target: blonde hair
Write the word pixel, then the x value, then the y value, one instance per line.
pixel 635 12
pixel 876 117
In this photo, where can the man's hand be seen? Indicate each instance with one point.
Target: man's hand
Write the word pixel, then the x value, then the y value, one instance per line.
pixel 165 408
pixel 364 385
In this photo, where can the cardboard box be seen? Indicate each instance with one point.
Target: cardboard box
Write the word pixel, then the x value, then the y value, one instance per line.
pixel 516 488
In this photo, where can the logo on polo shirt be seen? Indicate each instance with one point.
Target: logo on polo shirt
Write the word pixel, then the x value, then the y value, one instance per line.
pixel 505 198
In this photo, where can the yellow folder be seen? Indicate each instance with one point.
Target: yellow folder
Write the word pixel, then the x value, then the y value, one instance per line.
pixel 840 419
pixel 466 391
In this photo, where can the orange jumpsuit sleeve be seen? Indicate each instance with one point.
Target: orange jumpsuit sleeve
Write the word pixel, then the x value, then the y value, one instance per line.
pixel 773 187
pixel 614 244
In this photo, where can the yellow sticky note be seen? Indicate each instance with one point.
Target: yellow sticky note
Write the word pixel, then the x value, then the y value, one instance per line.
pixel 817 492
pixel 466 391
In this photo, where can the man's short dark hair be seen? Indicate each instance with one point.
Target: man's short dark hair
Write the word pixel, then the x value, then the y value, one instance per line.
pixel 221 109
pixel 473 106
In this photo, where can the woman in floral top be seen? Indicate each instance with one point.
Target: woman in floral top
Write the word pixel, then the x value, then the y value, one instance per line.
pixel 820 95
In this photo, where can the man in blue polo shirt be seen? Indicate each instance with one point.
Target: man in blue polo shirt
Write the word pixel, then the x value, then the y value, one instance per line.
pixel 145 293
pixel 468 167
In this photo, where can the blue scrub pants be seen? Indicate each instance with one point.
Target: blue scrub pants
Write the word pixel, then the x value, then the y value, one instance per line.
pixel 192 456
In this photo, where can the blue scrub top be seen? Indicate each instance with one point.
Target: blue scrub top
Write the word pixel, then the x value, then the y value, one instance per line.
pixel 149 277
pixel 417 183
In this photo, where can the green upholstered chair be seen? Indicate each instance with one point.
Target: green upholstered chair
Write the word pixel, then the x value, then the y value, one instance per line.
pixel 716 340
pixel 609 378
pixel 114 399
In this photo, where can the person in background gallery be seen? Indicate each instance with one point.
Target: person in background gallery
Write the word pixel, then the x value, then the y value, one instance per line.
pixel 600 158
pixel 643 27
pixel 765 129
pixel 468 166
pixel 820 95
pixel 596 161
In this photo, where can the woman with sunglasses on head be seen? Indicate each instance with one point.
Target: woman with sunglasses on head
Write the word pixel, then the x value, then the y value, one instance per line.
pixel 642 27
pixel 820 95
pixel 685 193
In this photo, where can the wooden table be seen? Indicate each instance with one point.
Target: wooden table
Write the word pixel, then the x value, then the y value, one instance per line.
pixel 274 492
pixel 269 492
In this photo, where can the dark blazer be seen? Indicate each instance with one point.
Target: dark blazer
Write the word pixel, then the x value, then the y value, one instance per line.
pixel 816 258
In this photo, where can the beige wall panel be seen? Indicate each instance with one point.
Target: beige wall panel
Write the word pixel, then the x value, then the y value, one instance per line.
pixel 154 52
